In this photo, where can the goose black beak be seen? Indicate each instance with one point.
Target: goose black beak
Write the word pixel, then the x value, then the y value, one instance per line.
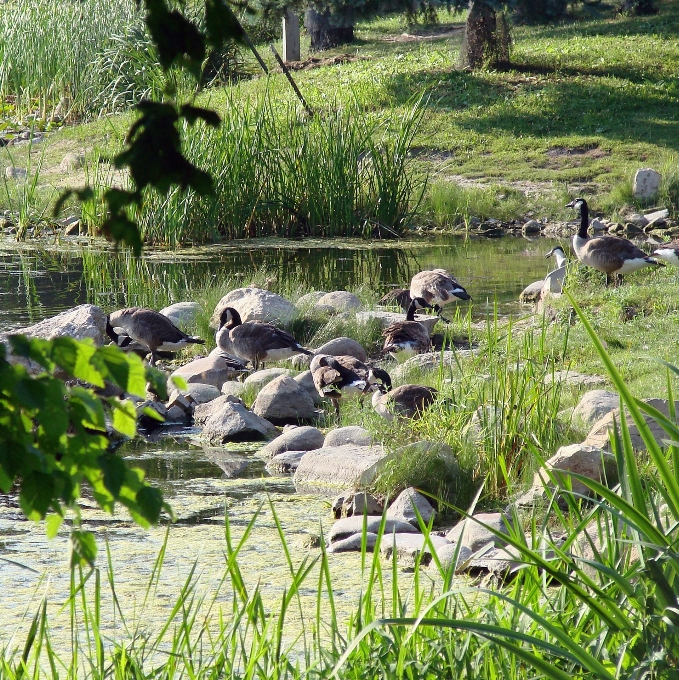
pixel 570 205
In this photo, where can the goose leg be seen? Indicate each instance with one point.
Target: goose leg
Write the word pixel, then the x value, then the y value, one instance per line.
pixel 337 410
pixel 153 358
pixel 608 279
pixel 619 280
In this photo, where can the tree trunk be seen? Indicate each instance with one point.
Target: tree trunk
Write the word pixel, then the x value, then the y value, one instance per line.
pixel 486 38
pixel 325 31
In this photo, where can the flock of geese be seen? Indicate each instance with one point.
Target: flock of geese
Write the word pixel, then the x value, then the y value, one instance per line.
pixel 337 377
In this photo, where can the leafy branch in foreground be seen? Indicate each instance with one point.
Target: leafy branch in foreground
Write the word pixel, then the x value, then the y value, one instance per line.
pixel 153 155
pixel 53 433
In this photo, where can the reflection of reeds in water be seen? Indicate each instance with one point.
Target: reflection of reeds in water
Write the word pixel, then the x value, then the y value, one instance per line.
pixel 341 174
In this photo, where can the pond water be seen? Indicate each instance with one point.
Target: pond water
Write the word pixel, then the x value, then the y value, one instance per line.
pixel 40 280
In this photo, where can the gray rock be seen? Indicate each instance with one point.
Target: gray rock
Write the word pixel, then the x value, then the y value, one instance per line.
pixel 202 412
pixel 582 459
pixel 354 543
pixel 389 318
pixel 300 362
pixel 310 299
pixel 298 439
pixel 256 304
pixel 306 382
pixel 500 561
pixel 339 467
pixel 339 347
pixel 359 503
pixel 153 406
pixel 181 313
pixel 210 370
pixel 352 434
pixel 447 553
pixel 338 301
pixel 233 388
pixel 176 414
pixel 594 405
pixel 531 293
pixel 72 162
pixel 283 400
pixel 349 526
pixel 199 393
pixel 408 546
pixel 532 227
pixel 431 362
pixel 473 535
pixel 15 173
pixel 574 378
pixel 406 504
pixel 284 463
pixel 233 422
pixel 646 183
pixel 79 323
pixel 597 225
pixel 259 379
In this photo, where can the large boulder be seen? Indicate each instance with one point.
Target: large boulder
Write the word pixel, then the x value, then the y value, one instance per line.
pixel 283 400
pixel 594 405
pixel 201 412
pixel 256 304
pixel 284 463
pixel 599 434
pixel 80 323
pixel 473 535
pixel 259 379
pixel 199 393
pixel 389 318
pixel 310 299
pixel 306 382
pixel 338 301
pixel 407 506
pixel 339 467
pixel 587 461
pixel 646 183
pixel 574 378
pixel 356 503
pixel 448 553
pixel 182 313
pixel 354 543
pixel 298 439
pixel 234 423
pixel 349 526
pixel 234 388
pixel 339 347
pixel 213 369
pixel 352 434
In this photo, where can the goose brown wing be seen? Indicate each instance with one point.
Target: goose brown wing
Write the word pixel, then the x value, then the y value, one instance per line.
pixel 405 331
pixel 263 336
pixel 611 249
pixel 324 378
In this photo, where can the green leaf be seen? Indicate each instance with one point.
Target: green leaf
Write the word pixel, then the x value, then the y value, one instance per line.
pixel 53 523
pixel 115 472
pixel 125 418
pixel 125 370
pixel 37 491
pixel 83 548
pixel 150 503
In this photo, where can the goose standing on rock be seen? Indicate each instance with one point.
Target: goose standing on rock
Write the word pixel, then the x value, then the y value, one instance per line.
pixel 345 376
pixel 608 254
pixel 437 288
pixel 403 339
pixel 255 341
pixel 406 401
pixel 149 328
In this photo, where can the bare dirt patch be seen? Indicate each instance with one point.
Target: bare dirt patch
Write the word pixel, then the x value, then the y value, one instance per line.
pixel 319 62
pixel 582 151
pixel 436 33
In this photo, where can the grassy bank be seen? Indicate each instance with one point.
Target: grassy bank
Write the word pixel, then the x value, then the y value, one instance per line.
pixel 583 105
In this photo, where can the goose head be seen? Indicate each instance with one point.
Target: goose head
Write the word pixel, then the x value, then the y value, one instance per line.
pixel 559 254
pixel 229 318
pixel 379 380
pixel 577 204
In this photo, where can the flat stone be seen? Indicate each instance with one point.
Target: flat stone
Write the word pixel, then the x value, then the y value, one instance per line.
pixel 340 347
pixel 354 543
pixel 306 382
pixel 200 393
pixel 646 183
pixel 574 378
pixel 409 545
pixel 531 292
pixel 582 459
pixel 284 463
pixel 15 173
pixel 343 528
pixel 474 536
pixel 213 369
pixel 303 438
pixel 233 422
pixel 500 561
pixel 259 379
pixel 594 405
pixel 338 301
pixel 358 503
pixel 80 323
pixel 406 504
pixel 283 400
pixel 181 313
pixel 598 435
pixel 233 387
pixel 352 434
pixel 256 304
pixel 339 467
pixel 389 318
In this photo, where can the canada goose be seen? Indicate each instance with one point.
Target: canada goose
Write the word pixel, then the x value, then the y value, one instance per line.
pixel 406 401
pixel 345 376
pixel 405 338
pixel 669 252
pixel 255 341
pixel 608 254
pixel 437 288
pixel 152 329
pixel 398 296
pixel 558 253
